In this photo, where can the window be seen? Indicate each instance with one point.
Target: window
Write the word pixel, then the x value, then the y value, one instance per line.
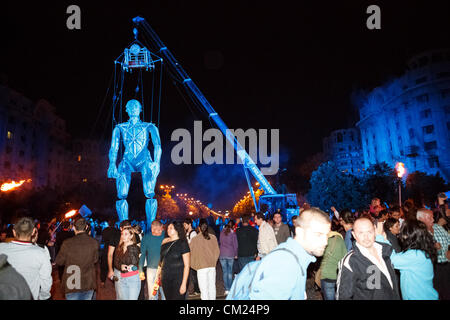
pixel 422 98
pixel 411 133
pixel 436 57
pixel 84 180
pixel 23 138
pixel 79 157
pixel 445 93
pixel 9 149
pixel 9 135
pixel 447 109
pixel 428 129
pixel 421 80
pixel 443 75
pixel 424 114
pixel 432 145
pixel 433 162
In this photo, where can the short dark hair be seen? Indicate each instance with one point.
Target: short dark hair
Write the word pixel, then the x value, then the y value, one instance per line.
pixel 347 216
pixel 80 224
pixel 389 223
pixel 188 221
pixel 245 218
pixel 259 215
pixel 125 223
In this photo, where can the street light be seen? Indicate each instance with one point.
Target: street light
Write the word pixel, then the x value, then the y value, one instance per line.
pixel 400 167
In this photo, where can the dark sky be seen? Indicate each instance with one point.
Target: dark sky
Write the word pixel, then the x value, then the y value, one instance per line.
pixel 260 64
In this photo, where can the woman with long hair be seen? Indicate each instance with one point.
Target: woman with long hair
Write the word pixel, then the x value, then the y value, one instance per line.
pixel 228 252
pixel 204 254
pixel 415 261
pixel 175 262
pixel 126 259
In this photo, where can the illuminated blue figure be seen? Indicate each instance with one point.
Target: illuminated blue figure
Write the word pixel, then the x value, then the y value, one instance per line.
pixel 137 158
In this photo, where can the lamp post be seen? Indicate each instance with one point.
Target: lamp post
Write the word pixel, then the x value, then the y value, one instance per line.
pixel 400 167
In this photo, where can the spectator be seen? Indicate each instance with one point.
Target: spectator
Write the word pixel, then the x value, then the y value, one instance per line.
pixel 266 237
pixel 415 261
pixel 228 253
pixel 442 267
pixel 61 236
pixel 43 235
pixel 284 271
pixel 175 262
pixel 247 238
pixel 79 255
pixel 113 244
pixel 126 261
pixel 292 226
pixel 107 236
pixel 396 213
pixel 334 252
pixel 204 256
pixel 150 255
pixel 392 228
pixel 347 219
pixel 31 261
pixel 280 229
pixel 12 285
pixel 190 234
pixel 366 272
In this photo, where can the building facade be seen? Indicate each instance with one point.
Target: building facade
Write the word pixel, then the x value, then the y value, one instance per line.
pixel 34 143
pixel 408 119
pixel 343 147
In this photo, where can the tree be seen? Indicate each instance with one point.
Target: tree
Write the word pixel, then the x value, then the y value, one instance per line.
pixel 423 188
pixel 332 187
pixel 380 181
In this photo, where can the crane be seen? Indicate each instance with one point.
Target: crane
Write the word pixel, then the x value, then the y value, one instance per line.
pixel 270 201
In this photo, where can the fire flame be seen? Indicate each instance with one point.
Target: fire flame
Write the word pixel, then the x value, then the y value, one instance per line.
pixel 400 169
pixel 71 213
pixel 13 185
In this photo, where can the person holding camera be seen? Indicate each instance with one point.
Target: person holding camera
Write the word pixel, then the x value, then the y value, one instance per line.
pixel 126 261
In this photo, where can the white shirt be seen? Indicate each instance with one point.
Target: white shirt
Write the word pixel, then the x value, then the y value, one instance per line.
pixel 33 263
pixel 381 265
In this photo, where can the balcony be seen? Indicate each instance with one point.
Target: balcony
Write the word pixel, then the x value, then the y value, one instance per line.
pixel 412 151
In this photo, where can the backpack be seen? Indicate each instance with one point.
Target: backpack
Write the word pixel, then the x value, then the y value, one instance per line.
pixel 242 284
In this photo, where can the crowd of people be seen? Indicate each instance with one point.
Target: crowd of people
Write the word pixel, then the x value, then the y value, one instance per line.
pixel 383 252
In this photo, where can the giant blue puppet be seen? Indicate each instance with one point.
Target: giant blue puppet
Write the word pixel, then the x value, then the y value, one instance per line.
pixel 136 158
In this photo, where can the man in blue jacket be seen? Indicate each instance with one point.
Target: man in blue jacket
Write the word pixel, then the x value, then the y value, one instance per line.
pixel 282 273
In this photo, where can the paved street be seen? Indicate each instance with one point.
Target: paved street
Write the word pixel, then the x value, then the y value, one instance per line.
pixel 108 293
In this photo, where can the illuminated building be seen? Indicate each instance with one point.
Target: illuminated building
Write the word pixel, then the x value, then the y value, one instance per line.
pixel 408 119
pixel 343 147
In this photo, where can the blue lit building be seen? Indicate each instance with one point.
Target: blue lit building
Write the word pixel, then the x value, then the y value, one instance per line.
pixel 343 147
pixel 408 119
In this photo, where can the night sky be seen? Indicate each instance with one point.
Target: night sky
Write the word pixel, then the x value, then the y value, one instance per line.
pixel 260 64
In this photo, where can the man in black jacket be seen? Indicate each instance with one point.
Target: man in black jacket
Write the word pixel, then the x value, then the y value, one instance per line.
pixel 247 237
pixel 366 272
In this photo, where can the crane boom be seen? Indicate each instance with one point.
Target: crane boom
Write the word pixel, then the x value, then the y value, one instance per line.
pixel 183 78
